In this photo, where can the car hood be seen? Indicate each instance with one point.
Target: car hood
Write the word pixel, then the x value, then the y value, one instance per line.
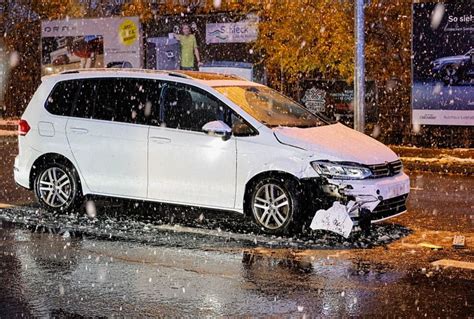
pixel 336 142
pixel 450 59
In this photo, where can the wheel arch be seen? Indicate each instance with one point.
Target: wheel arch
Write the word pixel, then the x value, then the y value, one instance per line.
pixel 44 160
pixel 262 175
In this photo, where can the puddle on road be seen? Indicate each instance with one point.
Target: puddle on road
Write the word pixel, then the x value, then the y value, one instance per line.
pixel 93 277
pixel 49 274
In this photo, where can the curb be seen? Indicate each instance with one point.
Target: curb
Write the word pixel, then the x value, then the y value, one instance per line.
pixel 437 160
pixel 8 127
pixel 8 133
pixel 413 164
pixel 410 151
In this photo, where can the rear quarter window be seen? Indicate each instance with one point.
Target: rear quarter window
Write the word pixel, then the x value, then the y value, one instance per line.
pixel 62 98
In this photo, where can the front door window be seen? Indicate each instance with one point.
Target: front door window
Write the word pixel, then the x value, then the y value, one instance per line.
pixel 190 109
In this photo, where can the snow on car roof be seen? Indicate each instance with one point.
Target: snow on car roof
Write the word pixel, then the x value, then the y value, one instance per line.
pixel 208 78
pixel 216 79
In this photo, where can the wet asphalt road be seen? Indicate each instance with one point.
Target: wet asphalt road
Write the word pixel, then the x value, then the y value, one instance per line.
pixel 161 261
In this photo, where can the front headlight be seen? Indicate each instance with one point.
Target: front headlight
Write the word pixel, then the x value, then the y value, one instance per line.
pixel 341 171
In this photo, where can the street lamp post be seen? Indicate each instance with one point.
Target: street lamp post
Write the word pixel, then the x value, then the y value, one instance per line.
pixel 359 74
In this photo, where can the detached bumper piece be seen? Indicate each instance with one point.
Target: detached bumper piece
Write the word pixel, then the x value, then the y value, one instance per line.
pixel 341 218
pixel 360 203
pixel 335 219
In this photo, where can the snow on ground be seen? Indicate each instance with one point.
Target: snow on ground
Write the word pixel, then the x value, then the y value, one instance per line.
pixel 173 228
pixel 442 159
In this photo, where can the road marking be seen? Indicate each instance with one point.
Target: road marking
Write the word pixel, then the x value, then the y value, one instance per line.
pixel 430 246
pixel 454 263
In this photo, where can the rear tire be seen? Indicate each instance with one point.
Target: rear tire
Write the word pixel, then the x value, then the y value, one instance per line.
pixel 57 187
pixel 274 205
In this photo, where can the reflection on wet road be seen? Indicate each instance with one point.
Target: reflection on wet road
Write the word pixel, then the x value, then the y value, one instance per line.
pixel 45 274
pixel 176 263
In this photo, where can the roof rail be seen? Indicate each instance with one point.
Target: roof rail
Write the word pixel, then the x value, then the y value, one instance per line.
pixel 111 70
pixel 196 75
pixel 165 72
pixel 178 75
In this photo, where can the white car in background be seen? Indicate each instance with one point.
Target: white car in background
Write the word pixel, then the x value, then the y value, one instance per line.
pixel 199 139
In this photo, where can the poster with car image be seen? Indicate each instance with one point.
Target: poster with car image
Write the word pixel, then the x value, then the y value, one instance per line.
pixel 90 43
pixel 443 63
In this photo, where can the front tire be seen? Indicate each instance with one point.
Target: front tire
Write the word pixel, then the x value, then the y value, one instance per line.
pixel 274 204
pixel 56 187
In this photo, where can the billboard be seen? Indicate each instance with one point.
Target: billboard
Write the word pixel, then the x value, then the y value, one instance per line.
pixel 443 63
pixel 90 43
pixel 232 32
pixel 223 43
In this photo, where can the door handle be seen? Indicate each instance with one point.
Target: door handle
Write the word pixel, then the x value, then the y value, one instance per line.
pixel 160 140
pixel 79 130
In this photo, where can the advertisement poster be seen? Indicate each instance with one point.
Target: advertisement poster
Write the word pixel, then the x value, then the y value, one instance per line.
pixel 334 99
pixel 443 60
pixel 219 42
pixel 90 43
pixel 237 32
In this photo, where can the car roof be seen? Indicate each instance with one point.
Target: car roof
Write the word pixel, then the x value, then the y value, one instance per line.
pixel 207 78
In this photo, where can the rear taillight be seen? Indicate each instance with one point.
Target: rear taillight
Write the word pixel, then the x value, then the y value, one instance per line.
pixel 23 127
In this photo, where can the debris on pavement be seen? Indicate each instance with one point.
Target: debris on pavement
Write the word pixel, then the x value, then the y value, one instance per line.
pixel 335 219
pixel 459 241
pixel 338 217
pixel 167 226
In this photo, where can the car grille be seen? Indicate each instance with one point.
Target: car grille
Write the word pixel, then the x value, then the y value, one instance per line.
pixel 386 169
pixel 389 207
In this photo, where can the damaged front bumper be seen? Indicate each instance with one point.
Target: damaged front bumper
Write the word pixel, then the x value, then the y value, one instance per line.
pixel 373 199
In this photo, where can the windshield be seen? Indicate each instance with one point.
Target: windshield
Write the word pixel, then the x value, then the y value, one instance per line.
pixel 270 107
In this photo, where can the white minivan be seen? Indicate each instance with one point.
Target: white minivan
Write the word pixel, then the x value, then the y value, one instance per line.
pixel 198 139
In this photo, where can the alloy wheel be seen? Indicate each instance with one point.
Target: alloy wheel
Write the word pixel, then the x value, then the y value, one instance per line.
pixel 55 187
pixel 450 76
pixel 271 206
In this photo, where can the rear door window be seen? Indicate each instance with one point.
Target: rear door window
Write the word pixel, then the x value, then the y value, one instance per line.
pixel 84 104
pixel 126 100
pixel 62 98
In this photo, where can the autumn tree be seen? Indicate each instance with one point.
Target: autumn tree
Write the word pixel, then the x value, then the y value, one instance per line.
pixel 301 37
pixel 58 9
pixel 140 8
pixel 388 62
pixel 388 34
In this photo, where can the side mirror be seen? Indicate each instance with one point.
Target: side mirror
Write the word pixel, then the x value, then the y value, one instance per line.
pixel 217 128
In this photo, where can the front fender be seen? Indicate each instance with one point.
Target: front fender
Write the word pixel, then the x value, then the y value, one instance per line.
pixel 297 165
